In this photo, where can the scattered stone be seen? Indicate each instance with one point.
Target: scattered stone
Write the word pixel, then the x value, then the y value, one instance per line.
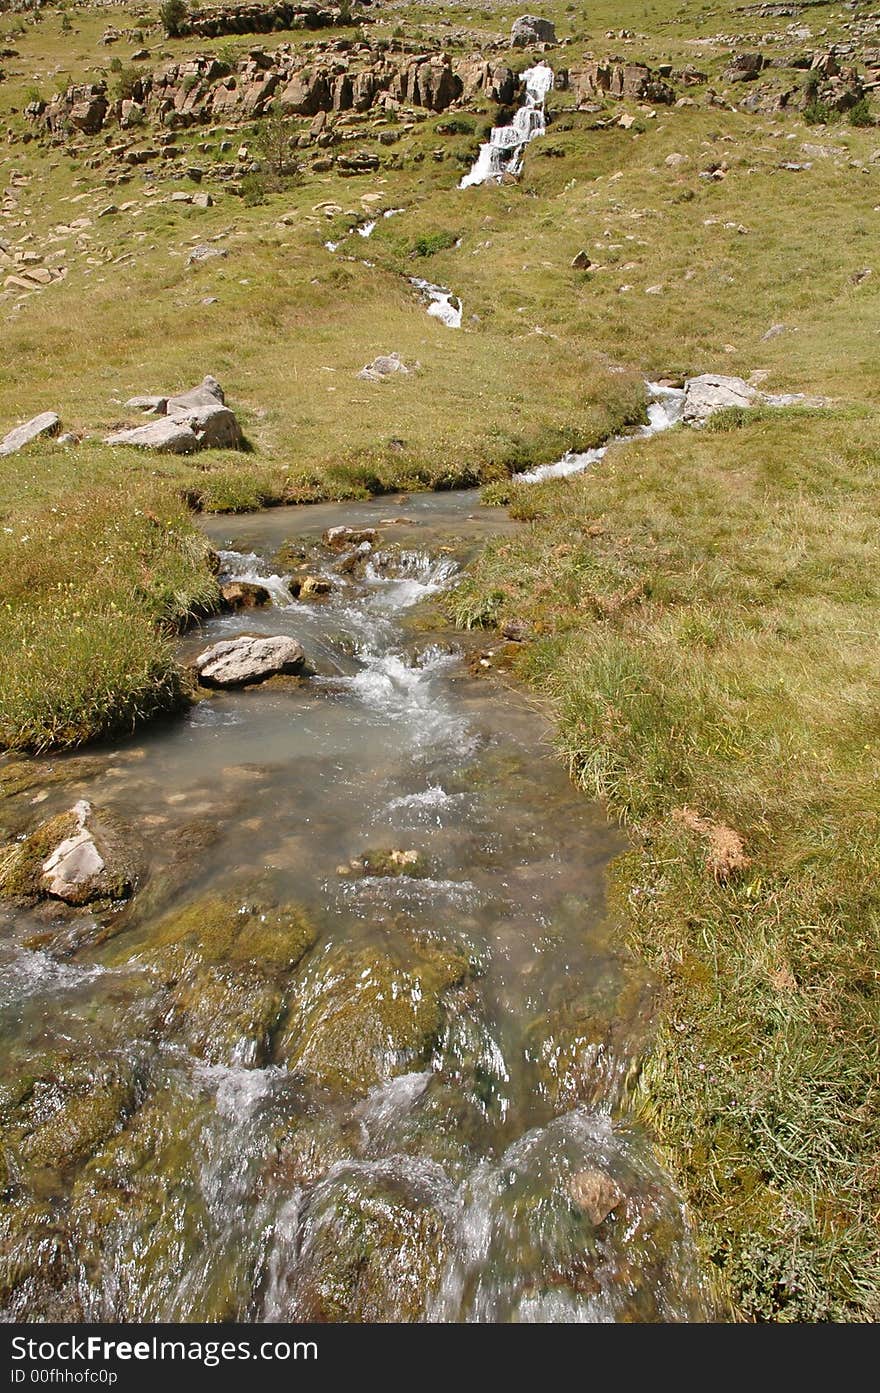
pixel 204 252
pixel 745 67
pixel 581 262
pixel 385 366
pixel 595 1194
pixel 202 200
pixel 47 423
pixel 247 660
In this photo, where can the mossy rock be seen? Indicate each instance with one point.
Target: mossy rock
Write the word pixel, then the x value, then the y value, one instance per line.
pixel 21 862
pixel 373 1250
pixel 145 1235
pixel 389 862
pixel 37 1264
pixel 361 1018
pixel 225 965
pixel 225 929
pixel 227 1015
pixel 57 1114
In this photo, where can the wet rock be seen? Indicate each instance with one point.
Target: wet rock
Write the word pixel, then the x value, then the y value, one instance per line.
pixel 387 863
pixel 595 1194
pixel 338 537
pixel 225 965
pixel 310 587
pixel 166 436
pixel 61 1110
pixel 359 1019
pixel 244 661
pixel 529 30
pixel 374 1248
pixel 75 857
pixel 244 594
pixel 47 423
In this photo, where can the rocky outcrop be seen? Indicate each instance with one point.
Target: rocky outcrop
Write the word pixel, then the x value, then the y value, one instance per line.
pixel 247 660
pixel 597 80
pixel 216 20
pixel 47 423
pixel 529 30
pixel 83 107
pixel 341 78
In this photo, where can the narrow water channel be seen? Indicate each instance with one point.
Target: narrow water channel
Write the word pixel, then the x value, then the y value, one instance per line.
pixel 358 1047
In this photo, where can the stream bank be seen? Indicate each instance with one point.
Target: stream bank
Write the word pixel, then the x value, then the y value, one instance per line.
pixel 361 1043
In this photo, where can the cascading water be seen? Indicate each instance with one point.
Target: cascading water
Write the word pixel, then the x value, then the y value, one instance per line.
pixel 503 152
pixel 411 1116
pixel 664 411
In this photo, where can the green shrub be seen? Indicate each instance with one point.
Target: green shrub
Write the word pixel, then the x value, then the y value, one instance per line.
pixel 860 114
pixel 173 15
pixel 818 114
pixel 432 243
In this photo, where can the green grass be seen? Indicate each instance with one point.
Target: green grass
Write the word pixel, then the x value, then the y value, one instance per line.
pixel 703 605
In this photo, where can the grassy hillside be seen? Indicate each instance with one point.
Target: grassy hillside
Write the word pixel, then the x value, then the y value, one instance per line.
pixel 703 603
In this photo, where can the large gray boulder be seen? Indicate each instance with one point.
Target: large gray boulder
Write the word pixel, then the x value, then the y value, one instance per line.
pixel 244 661
pixel 529 29
pixel 709 393
pixel 215 426
pixel 167 435
pixel 47 423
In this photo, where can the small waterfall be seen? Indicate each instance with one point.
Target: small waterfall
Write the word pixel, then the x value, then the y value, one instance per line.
pixel 664 411
pixel 442 304
pixel 503 152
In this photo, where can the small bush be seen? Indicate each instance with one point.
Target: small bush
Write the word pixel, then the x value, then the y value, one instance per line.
pixel 818 114
pixel 128 84
pixel 860 114
pixel 432 243
pixel 253 190
pixel 173 15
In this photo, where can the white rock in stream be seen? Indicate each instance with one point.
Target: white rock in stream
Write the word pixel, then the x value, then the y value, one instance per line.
pixel 76 862
pixel 247 660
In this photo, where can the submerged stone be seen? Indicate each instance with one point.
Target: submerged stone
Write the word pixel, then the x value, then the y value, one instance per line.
pixel 358 1019
pixel 76 856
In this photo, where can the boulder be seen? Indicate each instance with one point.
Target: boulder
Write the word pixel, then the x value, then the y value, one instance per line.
pixel 386 365
pixel 709 393
pixel 204 252
pixel 154 406
pixel 215 426
pixel 529 30
pixel 71 857
pixel 745 67
pixel 581 262
pixel 47 423
pixel 247 660
pixel 167 435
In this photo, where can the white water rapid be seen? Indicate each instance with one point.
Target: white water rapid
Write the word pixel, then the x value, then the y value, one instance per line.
pixel 664 411
pixel 503 152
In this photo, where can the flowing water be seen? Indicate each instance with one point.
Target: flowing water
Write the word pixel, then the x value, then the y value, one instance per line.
pixel 503 152
pixel 360 1044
